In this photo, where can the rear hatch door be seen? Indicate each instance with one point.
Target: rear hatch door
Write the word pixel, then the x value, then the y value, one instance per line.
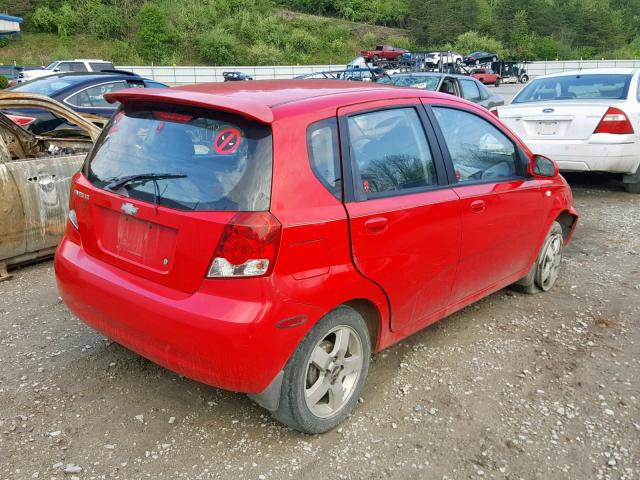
pixel 161 184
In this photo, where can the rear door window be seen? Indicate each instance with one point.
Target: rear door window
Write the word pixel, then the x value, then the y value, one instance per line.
pixel 94 96
pixel 186 159
pixel 391 152
pixel 470 90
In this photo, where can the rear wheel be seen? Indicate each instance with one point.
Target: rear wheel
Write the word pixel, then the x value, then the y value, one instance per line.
pixel 546 269
pixel 497 83
pixel 326 374
pixel 524 79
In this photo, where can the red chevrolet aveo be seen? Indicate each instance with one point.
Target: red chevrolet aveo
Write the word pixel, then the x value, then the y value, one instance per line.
pixel 267 237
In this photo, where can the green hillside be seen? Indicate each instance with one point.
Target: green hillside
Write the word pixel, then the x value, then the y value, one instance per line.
pixel 264 32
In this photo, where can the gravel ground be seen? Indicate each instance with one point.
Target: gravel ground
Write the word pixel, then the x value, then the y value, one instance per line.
pixel 513 387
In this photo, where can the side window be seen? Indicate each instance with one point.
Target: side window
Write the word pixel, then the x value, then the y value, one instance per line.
pixel 470 90
pixel 72 67
pixel 64 67
pixel 478 150
pixel 322 145
pixel 391 152
pixel 94 96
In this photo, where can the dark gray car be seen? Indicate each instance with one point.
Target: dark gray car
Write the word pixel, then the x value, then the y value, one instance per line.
pixel 459 85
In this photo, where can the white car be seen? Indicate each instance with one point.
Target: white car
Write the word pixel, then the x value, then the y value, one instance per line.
pixel 587 121
pixel 446 57
pixel 79 65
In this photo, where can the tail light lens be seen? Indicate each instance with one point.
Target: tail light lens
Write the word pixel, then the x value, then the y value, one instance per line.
pixel 494 111
pixel 614 121
pixel 247 247
pixel 21 120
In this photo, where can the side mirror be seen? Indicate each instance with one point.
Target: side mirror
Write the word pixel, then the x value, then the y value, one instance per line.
pixel 544 167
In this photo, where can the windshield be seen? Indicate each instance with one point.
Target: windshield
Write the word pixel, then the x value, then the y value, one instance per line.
pixel 51 66
pixel 44 86
pixel 576 87
pixel 186 159
pixel 428 82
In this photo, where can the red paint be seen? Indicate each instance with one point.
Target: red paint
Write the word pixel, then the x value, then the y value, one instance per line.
pixel 414 258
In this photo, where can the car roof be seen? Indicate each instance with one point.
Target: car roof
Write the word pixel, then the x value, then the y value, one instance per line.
pixel 260 99
pixel 432 74
pixel 592 71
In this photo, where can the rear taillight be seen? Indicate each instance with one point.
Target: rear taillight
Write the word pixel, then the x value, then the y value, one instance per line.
pixel 71 215
pixel 494 110
pixel 247 247
pixel 614 121
pixel 21 120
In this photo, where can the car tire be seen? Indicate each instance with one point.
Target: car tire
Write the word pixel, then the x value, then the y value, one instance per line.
pixel 632 182
pixel 458 61
pixel 544 273
pixel 317 366
pixel 497 83
pixel 632 187
pixel 524 79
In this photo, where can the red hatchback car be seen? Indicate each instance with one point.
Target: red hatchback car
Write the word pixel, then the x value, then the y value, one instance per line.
pixel 267 237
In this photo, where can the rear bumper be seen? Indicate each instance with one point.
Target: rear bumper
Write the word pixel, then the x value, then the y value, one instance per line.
pixel 589 156
pixel 221 335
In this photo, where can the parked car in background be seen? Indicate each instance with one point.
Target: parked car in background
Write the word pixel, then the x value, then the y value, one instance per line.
pixel 78 66
pixel 10 72
pixel 236 76
pixel 433 59
pixel 267 237
pixel 486 76
pixel 35 175
pixel 476 58
pixel 383 52
pixel 81 92
pixel 587 120
pixel 459 85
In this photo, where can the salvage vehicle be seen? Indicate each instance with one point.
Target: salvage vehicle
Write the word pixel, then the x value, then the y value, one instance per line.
pixel 476 58
pixel 367 74
pixel 81 92
pixel 78 65
pixel 512 72
pixel 267 237
pixel 35 175
pixel 587 120
pixel 433 59
pixel 383 52
pixel 486 76
pixel 458 85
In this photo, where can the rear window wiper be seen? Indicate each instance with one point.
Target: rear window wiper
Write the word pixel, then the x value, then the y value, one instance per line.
pixel 122 181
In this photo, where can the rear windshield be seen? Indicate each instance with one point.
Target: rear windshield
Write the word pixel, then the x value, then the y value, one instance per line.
pixel 184 159
pixel 576 87
pixel 44 86
pixel 416 81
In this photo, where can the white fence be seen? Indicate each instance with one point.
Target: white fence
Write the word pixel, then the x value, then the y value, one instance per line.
pixel 187 75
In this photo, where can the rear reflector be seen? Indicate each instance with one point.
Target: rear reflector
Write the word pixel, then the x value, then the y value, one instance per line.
pixel 247 247
pixel 494 110
pixel 21 120
pixel 614 121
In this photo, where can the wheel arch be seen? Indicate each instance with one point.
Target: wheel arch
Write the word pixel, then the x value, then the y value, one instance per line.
pixel 567 221
pixel 371 315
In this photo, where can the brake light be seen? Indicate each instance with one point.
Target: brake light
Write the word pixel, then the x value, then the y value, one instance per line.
pixel 21 120
pixel 614 121
pixel 247 247
pixel 494 110
pixel 173 117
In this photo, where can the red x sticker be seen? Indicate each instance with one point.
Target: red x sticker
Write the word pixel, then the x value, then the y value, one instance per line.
pixel 227 141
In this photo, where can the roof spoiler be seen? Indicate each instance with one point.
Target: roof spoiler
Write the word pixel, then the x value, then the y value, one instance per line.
pixel 251 110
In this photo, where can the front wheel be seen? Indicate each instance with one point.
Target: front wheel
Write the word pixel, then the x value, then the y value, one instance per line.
pixel 497 83
pixel 326 374
pixel 524 79
pixel 546 269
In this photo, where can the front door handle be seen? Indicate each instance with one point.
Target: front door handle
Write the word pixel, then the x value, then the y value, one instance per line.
pixel 478 206
pixel 376 225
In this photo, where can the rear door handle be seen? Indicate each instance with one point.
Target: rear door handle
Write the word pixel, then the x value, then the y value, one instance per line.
pixel 478 206
pixel 376 225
